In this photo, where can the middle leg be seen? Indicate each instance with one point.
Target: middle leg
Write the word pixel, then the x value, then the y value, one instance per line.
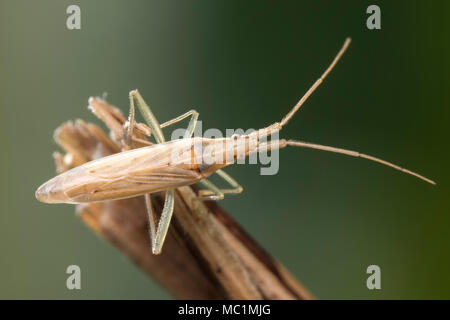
pixel 158 234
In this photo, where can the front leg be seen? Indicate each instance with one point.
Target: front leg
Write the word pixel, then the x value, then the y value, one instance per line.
pixel 192 123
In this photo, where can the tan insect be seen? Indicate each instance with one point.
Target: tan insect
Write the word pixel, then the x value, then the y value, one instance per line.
pixel 168 165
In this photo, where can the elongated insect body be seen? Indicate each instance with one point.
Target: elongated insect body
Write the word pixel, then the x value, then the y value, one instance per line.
pixel 126 174
pixel 149 169
pixel 168 165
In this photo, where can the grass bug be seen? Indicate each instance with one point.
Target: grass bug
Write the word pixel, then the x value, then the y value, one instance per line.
pixel 150 169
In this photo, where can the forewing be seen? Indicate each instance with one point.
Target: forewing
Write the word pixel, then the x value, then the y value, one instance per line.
pixel 126 174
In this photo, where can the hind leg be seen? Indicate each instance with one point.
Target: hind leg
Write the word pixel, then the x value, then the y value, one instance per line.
pixel 212 192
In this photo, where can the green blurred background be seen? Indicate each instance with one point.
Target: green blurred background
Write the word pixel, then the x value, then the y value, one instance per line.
pixel 241 64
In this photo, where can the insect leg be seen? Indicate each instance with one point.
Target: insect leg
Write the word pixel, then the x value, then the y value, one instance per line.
pixel 130 128
pixel 151 218
pixel 148 115
pixel 213 193
pixel 164 222
pixel 192 123
pixel 166 215
pixel 236 187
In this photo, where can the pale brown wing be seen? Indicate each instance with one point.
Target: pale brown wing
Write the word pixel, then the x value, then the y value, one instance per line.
pixel 123 175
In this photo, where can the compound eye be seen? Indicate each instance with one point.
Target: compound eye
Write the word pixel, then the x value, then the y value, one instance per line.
pixel 235 136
